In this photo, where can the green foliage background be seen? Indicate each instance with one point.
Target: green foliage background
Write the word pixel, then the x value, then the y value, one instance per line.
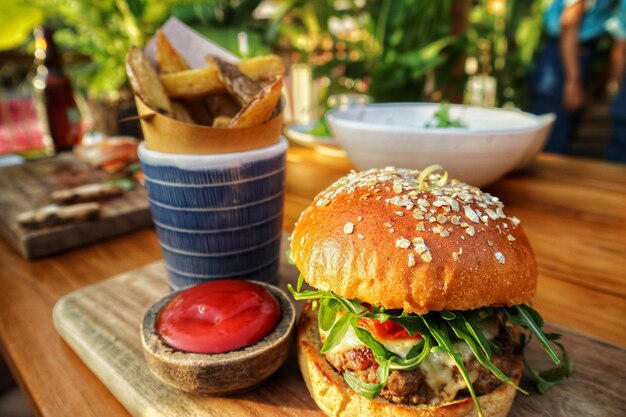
pixel 406 51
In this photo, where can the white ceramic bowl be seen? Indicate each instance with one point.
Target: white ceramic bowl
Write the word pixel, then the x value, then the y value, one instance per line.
pixel 494 141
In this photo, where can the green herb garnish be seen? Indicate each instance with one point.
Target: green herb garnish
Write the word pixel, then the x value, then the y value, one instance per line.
pixel 320 129
pixel 288 257
pixel 530 319
pixel 439 332
pixel 125 184
pixel 442 119
pixel 550 377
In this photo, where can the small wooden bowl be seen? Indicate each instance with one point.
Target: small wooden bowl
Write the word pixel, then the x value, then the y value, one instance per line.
pixel 223 373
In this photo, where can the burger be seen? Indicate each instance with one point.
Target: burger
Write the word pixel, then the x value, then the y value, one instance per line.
pixel 420 296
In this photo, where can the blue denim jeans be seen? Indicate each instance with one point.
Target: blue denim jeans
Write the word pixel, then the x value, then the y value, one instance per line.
pixel 546 82
pixel 616 151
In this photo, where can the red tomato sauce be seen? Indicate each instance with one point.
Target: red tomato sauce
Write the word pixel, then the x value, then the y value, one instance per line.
pixel 218 316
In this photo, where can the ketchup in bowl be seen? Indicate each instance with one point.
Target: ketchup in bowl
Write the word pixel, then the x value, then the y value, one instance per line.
pixel 218 317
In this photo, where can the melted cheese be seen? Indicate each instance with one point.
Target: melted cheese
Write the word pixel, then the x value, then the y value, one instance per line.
pixel 438 368
pixel 400 347
pixel 349 341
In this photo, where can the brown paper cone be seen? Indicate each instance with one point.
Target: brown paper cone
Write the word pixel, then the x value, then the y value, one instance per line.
pixel 167 135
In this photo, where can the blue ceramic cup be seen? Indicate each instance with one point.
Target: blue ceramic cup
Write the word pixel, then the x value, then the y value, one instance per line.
pixel 217 216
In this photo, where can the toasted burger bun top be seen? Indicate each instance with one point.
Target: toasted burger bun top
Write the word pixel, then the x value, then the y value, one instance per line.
pixel 394 239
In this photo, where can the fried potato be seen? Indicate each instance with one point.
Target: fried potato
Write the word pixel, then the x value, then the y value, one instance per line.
pixel 260 108
pixel 193 83
pixel 179 112
pixel 206 81
pixel 222 105
pixel 263 68
pixel 238 84
pixel 167 57
pixel 198 110
pixel 145 81
pixel 222 121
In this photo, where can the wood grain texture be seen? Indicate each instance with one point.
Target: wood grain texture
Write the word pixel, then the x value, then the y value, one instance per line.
pixel 574 290
pixel 28 186
pixel 101 323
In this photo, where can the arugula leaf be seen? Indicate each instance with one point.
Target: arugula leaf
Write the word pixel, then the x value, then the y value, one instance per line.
pixel 376 310
pixel 353 306
pixel 445 344
pixel 447 315
pixel 416 355
pixel 378 349
pixel 383 372
pixel 435 327
pixel 289 260
pixel 327 313
pixel 411 323
pixel 365 389
pixel 550 377
pixel 470 324
pixel 438 349
pixel 531 320
pixel 424 345
pixel 474 343
pixel 309 295
pixel 381 317
pixel 337 332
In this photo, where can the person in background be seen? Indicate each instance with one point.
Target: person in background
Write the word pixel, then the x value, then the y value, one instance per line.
pixel 616 26
pixel 562 68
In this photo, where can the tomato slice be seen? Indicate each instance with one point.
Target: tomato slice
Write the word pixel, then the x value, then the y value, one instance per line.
pixel 388 330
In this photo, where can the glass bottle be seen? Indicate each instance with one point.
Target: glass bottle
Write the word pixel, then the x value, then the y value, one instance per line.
pixel 54 92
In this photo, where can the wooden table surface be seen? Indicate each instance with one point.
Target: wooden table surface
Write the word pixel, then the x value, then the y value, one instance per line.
pixel 574 212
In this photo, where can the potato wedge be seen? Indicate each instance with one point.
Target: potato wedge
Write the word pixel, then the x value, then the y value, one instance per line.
pixel 222 121
pixel 179 112
pixel 222 105
pixel 145 81
pixel 198 111
pixel 193 83
pixel 260 108
pixel 167 57
pixel 206 81
pixel 265 67
pixel 238 84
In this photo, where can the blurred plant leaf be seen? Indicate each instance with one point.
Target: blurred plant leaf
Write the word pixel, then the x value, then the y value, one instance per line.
pixel 17 22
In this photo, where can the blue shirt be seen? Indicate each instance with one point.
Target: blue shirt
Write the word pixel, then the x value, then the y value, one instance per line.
pixel 616 25
pixel 599 16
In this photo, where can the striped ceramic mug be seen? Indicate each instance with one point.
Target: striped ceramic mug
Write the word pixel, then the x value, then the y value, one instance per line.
pixel 217 216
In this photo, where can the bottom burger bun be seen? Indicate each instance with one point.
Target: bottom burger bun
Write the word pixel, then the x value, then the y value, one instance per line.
pixel 335 398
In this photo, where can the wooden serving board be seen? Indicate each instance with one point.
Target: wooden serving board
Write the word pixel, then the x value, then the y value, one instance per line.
pixel 101 324
pixel 28 186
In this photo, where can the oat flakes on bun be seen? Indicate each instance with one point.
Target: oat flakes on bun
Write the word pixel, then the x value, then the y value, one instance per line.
pixel 420 296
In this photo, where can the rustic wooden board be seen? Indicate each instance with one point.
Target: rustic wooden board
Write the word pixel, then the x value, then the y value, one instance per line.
pixel 28 186
pixel 101 324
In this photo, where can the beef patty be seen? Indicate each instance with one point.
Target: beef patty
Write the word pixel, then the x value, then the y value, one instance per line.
pixel 410 386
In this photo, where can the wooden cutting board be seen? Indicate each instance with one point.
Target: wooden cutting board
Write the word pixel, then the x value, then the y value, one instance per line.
pixel 28 186
pixel 101 324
